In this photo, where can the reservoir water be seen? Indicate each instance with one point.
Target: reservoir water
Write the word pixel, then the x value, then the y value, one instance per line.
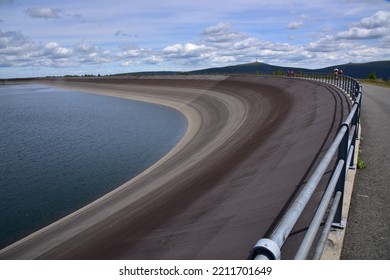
pixel 61 149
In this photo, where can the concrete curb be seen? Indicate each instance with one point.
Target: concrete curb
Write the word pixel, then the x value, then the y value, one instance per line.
pixel 334 244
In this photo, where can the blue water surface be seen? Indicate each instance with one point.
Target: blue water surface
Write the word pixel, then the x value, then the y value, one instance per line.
pixel 62 149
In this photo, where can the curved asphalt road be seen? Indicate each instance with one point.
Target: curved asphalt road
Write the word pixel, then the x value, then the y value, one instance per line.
pixel 367 234
pixel 253 142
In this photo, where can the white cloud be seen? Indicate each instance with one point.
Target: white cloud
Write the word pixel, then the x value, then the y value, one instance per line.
pixel 44 12
pixel 295 24
pixel 189 35
pixel 222 45
pixel 127 63
pixel 223 59
pixel 85 47
pixel 368 53
pixel 133 52
pixel 134 56
pixel 221 33
pixel 184 50
pixel 90 54
pixel 379 19
pixel 14 48
pixel 54 50
pixel 325 45
pixel 375 26
pixel 17 51
pixel 363 33
pixel 10 39
pixel 348 45
pixel 153 59
pixel 245 44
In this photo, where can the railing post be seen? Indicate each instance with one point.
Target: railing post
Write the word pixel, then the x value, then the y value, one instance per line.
pixel 350 88
pixel 338 81
pixel 342 154
pixel 344 84
pixel 353 144
pixel 356 93
pixel 359 102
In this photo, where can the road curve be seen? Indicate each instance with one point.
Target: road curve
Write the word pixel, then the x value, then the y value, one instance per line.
pixel 251 144
pixel 367 236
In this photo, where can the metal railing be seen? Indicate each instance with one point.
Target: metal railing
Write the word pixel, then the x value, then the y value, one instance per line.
pixel 269 248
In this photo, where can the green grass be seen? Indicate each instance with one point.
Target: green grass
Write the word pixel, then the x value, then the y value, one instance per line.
pixel 360 162
pixel 377 82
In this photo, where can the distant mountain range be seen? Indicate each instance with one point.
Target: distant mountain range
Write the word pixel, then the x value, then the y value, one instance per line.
pixel 362 70
pixel 355 70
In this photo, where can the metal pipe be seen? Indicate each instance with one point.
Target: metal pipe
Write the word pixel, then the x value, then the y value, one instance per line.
pixel 349 158
pixel 269 248
pixel 328 224
pixel 351 114
pixel 311 233
pixel 283 229
pixel 286 224
pixel 351 135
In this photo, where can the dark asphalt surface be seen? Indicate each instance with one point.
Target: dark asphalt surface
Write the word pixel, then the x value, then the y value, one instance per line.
pixel 367 234
pixel 259 140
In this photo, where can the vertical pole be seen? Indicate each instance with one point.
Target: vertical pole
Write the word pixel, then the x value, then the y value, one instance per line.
pixel 342 154
pixel 358 111
pixel 353 143
pixel 344 84
pixel 354 92
pixel 349 87
pixel 338 81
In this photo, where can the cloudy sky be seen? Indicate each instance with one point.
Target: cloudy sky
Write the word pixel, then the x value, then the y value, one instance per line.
pixel 48 37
